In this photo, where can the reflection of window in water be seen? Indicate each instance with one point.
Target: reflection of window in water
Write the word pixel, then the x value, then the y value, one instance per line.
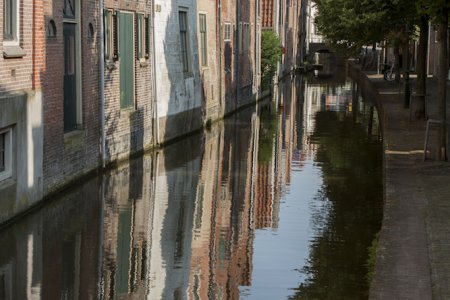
pixel 6 281
pixel 199 209
pixel 196 287
pixel 2 151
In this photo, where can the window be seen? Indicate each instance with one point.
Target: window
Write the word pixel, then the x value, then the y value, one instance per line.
pixel 203 40
pixel 142 43
pixel 90 32
pixel 227 32
pixel 184 40
pixel 11 21
pixel 247 36
pixel 69 9
pixel 244 36
pixel 109 35
pixel 51 29
pixel 5 154
pixel 147 37
pixel 73 105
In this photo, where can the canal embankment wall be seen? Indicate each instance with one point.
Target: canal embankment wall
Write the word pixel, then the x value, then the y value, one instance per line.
pixel 412 254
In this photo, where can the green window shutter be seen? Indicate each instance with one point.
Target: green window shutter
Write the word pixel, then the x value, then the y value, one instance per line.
pixel 126 58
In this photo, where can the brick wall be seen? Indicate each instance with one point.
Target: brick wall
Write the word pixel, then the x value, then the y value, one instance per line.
pixel 129 130
pixel 16 73
pixel 69 155
pixel 209 74
pixel 228 55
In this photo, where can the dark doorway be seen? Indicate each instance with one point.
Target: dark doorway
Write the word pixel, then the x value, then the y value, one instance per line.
pixel 70 77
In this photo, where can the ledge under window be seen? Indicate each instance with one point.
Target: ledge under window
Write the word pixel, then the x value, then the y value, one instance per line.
pixel 13 52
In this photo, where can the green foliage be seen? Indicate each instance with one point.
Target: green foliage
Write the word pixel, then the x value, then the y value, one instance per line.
pixel 433 8
pixel 270 55
pixel 267 133
pixel 349 24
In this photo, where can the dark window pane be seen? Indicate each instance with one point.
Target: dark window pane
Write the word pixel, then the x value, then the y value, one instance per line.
pixel 183 40
pixel 10 19
pixel 2 151
pixel 69 9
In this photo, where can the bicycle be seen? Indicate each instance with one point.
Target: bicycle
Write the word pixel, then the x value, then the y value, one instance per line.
pixel 389 73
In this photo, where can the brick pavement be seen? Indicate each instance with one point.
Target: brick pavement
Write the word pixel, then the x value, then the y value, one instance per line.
pixel 413 255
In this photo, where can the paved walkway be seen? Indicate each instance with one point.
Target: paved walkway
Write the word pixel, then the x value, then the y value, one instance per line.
pixel 413 256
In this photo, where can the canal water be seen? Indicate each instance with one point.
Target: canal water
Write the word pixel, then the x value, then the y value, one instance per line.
pixel 269 204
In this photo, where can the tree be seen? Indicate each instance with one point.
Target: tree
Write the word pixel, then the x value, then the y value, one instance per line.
pixel 421 84
pixel 270 56
pixel 438 10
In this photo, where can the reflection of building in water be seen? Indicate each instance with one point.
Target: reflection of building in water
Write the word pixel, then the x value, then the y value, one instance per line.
pixel 171 240
pixel 54 256
pixel 21 266
pixel 233 235
pixel 204 216
pixel 128 207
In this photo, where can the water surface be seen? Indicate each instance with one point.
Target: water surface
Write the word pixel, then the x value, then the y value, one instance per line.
pixel 265 205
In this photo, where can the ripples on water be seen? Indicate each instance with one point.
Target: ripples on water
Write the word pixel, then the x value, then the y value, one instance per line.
pixel 262 206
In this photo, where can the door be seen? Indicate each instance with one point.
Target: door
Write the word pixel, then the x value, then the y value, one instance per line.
pixel 70 77
pixel 126 59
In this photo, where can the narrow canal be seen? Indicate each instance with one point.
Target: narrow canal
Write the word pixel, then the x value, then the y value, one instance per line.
pixel 265 205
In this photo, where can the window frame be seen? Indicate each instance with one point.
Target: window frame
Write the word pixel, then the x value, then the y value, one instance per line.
pixel 184 32
pixel 14 40
pixel 6 134
pixel 203 32
pixel 76 20
pixel 140 36
pixel 227 37
pixel 108 39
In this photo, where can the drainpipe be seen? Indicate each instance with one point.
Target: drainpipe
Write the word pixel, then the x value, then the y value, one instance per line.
pixel 154 92
pixel 237 60
pixel 219 29
pixel 102 86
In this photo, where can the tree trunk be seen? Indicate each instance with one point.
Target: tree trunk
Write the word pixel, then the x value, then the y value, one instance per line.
pixel 421 85
pixel 442 83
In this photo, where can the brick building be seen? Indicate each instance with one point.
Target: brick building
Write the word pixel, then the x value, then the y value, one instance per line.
pixel 208 58
pixel 178 90
pixel 70 90
pixel 227 38
pixel 284 17
pixel 240 52
pixel 21 127
pixel 128 79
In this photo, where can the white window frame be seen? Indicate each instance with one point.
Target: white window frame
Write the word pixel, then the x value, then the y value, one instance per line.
pixel 227 37
pixel 141 38
pixel 109 35
pixel 16 34
pixel 7 173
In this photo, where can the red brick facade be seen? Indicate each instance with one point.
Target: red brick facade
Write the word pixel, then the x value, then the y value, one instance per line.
pixel 69 155
pixel 129 130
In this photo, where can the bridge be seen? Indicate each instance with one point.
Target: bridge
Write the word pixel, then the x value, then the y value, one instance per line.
pixel 317 47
